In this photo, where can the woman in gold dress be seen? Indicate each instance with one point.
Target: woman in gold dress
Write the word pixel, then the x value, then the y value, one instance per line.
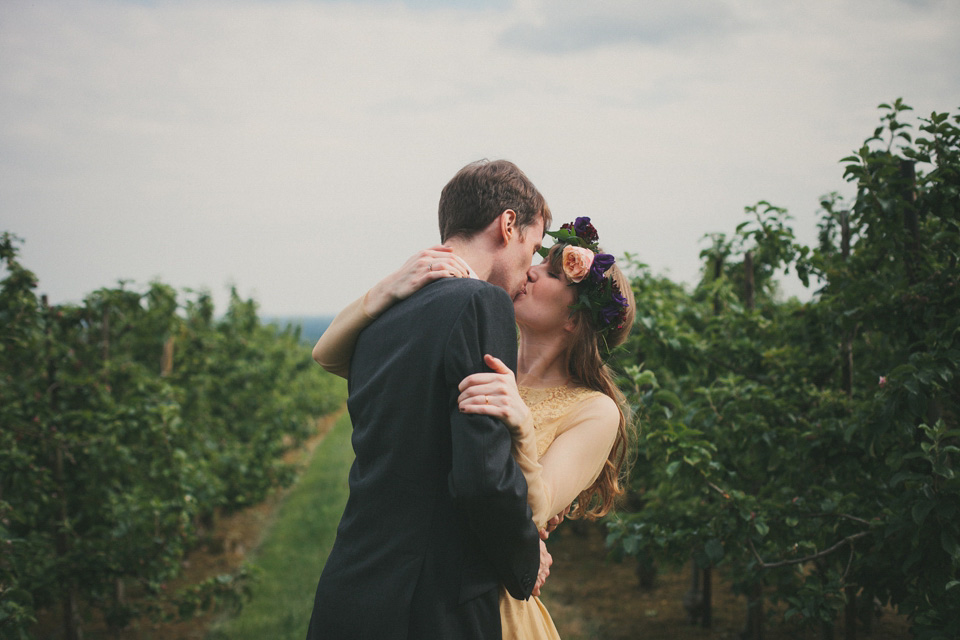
pixel 563 409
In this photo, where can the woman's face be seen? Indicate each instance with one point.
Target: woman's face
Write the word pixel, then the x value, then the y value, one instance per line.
pixel 543 304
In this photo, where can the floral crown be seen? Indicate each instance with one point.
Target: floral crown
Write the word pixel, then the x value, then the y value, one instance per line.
pixel 586 266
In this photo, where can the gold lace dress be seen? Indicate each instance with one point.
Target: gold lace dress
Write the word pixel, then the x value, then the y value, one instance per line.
pixel 569 469
pixel 554 411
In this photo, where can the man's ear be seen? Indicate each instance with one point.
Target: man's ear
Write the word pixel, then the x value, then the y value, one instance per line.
pixel 508 225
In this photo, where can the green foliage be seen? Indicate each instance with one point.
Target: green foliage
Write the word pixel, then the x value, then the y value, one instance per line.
pixel 128 421
pixel 301 537
pixel 812 448
pixel 224 592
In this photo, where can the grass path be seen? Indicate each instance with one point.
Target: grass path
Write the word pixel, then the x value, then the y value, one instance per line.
pixel 296 547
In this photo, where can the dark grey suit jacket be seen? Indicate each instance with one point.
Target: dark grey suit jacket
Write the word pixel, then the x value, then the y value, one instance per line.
pixel 437 516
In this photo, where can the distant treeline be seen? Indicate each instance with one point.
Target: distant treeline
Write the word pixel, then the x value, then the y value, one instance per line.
pixel 311 327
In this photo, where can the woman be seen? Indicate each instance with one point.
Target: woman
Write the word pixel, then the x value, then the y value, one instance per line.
pixel 563 409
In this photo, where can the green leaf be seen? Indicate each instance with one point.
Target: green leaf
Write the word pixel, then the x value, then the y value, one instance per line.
pixel 949 544
pixel 920 511
pixel 714 550
pixel 902 369
pixel 645 378
pixel 665 396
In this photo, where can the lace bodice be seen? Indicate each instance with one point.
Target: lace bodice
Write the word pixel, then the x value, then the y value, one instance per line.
pixel 549 406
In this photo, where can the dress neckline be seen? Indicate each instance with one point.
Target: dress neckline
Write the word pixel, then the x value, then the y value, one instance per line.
pixel 538 395
pixel 559 386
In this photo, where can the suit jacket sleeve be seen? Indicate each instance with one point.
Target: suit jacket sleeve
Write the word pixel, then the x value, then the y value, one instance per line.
pixel 485 481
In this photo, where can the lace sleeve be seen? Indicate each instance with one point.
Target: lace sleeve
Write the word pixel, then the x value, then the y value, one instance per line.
pixel 335 347
pixel 574 460
pixel 525 453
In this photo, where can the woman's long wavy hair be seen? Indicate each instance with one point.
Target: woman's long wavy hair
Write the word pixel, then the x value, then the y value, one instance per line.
pixel 587 367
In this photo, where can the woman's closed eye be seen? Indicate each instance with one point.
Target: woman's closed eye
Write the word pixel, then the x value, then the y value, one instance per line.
pixel 557 275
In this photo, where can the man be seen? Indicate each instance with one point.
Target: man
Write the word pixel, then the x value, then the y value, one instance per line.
pixel 437 516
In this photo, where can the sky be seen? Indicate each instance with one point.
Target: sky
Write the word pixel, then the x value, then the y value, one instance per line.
pixel 296 149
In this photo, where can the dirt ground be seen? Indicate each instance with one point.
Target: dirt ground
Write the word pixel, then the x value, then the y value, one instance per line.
pixel 589 596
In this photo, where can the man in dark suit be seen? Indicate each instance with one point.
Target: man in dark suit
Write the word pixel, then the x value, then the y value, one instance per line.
pixel 437 516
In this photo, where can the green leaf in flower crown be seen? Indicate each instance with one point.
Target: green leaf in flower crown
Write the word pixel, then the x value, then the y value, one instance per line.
pixel 565 236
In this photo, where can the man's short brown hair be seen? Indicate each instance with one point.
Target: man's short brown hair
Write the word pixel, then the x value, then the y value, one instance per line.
pixel 483 190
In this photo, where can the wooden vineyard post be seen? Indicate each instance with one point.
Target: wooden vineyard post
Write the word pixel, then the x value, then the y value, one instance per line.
pixel 754 628
pixel 166 360
pixel 908 174
pixel 846 366
pixel 846 355
pixel 707 620
pixel 717 272
pixel 68 592
pixel 696 601
pixel 748 286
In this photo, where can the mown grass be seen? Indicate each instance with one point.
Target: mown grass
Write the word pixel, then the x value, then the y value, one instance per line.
pixel 296 546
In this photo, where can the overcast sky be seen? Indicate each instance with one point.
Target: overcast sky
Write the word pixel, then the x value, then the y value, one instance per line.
pixel 297 149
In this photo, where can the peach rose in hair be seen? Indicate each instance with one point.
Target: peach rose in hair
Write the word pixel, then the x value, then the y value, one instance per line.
pixel 577 262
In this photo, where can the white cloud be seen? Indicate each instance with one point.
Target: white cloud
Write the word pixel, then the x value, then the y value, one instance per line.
pixel 561 26
pixel 297 149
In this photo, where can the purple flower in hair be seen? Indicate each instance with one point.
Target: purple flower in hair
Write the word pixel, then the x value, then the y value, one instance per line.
pixel 601 262
pixel 608 314
pixel 585 230
pixel 619 299
pixel 614 310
